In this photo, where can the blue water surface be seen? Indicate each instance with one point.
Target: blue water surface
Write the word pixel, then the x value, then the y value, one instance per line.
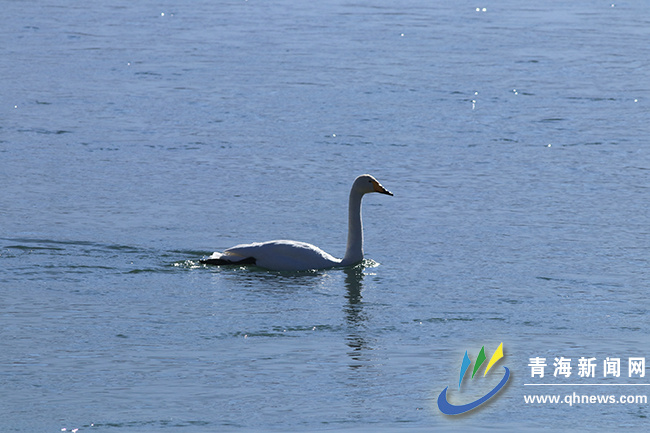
pixel 138 137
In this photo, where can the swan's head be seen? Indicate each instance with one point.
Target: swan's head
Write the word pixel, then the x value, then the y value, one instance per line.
pixel 366 183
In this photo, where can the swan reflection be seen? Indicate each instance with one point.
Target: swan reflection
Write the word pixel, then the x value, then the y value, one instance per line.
pixel 355 317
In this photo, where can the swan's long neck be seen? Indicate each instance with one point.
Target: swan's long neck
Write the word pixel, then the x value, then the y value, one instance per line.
pixel 354 249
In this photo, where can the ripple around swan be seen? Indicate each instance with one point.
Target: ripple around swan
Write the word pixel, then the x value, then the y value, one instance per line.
pixel 47 258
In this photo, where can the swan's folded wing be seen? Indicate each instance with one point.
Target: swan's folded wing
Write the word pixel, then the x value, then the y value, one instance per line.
pixel 218 258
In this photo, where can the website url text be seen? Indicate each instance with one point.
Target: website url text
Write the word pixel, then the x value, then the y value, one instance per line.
pixel 576 398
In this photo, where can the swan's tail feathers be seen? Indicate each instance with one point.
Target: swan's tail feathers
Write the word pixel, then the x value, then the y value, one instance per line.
pixel 219 259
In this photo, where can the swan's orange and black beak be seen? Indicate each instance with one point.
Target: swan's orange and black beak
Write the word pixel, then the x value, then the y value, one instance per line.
pixel 380 189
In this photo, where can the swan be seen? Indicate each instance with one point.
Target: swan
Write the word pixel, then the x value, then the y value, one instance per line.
pixel 284 255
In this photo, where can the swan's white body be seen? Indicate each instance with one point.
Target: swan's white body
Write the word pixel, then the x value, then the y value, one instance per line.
pixel 283 255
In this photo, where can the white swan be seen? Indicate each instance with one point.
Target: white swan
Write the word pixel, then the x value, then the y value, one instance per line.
pixel 282 255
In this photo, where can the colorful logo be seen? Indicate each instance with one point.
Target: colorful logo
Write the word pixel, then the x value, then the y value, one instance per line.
pixel 452 409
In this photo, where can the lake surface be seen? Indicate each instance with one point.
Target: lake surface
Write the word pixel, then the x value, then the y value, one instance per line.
pixel 138 137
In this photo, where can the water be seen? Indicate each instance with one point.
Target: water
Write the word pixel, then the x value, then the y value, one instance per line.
pixel 137 138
